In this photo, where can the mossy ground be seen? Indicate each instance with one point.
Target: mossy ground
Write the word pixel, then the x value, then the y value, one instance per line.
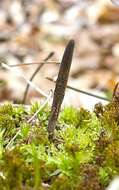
pixel 85 155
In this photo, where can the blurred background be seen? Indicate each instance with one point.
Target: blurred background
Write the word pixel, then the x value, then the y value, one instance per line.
pixel 31 29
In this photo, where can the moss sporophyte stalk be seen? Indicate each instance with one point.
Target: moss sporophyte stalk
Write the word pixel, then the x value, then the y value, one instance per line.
pixel 86 156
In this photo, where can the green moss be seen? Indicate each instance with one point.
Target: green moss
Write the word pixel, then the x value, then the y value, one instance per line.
pixel 86 155
pixel 69 116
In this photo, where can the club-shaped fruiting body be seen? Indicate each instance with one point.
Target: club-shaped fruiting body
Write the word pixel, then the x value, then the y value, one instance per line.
pixel 60 87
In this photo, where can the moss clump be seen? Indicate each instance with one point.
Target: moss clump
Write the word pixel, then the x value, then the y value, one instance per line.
pixel 86 155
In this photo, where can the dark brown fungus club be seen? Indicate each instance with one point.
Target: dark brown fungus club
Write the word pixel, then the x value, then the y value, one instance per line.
pixel 60 87
pixel 116 93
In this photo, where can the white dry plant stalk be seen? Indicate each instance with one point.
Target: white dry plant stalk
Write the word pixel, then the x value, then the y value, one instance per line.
pixel 42 106
pixel 114 185
pixel 31 119
pixel 35 63
pixel 115 2
pixel 18 73
pixel 27 107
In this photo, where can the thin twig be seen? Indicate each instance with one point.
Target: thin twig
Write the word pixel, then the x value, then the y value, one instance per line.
pixel 12 140
pixel 17 73
pixel 33 75
pixel 17 105
pixel 60 87
pixel 31 119
pixel 82 91
pixel 34 63
pixel 43 105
